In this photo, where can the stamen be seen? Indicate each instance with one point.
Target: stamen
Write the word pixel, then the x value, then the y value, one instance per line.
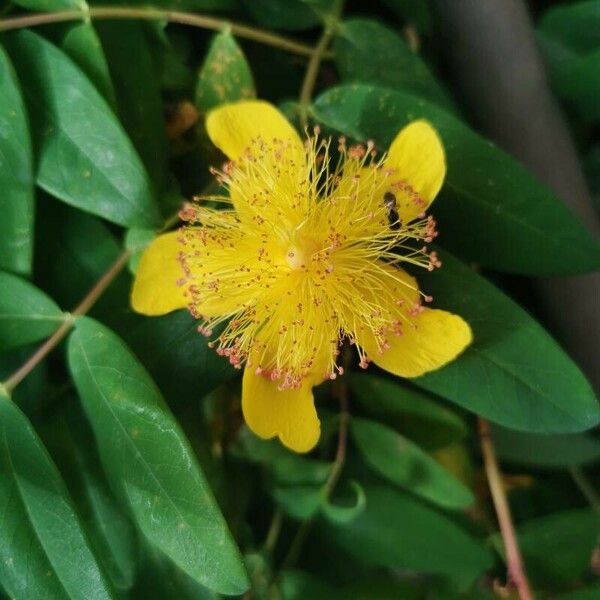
pixel 302 255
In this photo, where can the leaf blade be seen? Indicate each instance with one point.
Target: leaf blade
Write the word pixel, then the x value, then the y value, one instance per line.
pixel 491 210
pixel 47 537
pixel 85 158
pixel 26 313
pixel 135 431
pixel 17 179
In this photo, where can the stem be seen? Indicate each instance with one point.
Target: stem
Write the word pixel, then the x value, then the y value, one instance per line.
pixel 274 530
pixel 316 57
pixel 514 561
pixel 152 14
pixel 81 309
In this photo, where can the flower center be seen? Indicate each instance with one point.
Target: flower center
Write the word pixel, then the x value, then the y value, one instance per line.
pixel 295 257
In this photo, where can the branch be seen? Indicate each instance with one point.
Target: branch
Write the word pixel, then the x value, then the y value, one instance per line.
pixel 516 570
pixel 81 309
pixel 154 14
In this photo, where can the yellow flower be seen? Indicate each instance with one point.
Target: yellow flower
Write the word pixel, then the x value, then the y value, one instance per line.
pixel 305 254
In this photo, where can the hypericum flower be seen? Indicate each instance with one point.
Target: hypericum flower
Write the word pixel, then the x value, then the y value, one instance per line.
pixel 304 255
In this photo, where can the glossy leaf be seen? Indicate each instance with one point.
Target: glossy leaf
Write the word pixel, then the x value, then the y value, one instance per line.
pixel 138 95
pixel 43 550
pixel 545 451
pixel 402 462
pixel 396 531
pixel 147 457
pixel 365 50
pixel 513 373
pixel 26 313
pixel 82 44
pixel 225 75
pixel 491 210
pixel 17 179
pixel 410 410
pixel 557 548
pixel 84 156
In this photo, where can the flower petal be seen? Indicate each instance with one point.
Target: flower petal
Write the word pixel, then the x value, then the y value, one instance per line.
pixel 418 157
pixel 287 414
pixel 155 290
pixel 233 127
pixel 435 338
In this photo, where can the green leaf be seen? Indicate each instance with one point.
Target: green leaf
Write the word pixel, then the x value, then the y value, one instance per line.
pixel 43 551
pixel 557 548
pixel 81 43
pixel 225 75
pixel 364 51
pixel 147 457
pixel 492 210
pixel 342 514
pixel 51 5
pixel 577 25
pixel 16 175
pixel 300 502
pixel 26 313
pixel 291 14
pixel 84 156
pixel 410 410
pixel 402 462
pixel 286 467
pixel 396 531
pixel 138 95
pixel 545 451
pixel 172 344
pixel 513 373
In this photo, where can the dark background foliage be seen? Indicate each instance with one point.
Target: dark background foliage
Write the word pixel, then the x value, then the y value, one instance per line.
pixel 125 467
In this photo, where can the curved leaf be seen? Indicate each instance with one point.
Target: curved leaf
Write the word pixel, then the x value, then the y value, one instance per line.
pixel 17 180
pixel 513 373
pixel 402 462
pixel 147 457
pixel 43 550
pixel 492 210
pixel 26 313
pixel 85 158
